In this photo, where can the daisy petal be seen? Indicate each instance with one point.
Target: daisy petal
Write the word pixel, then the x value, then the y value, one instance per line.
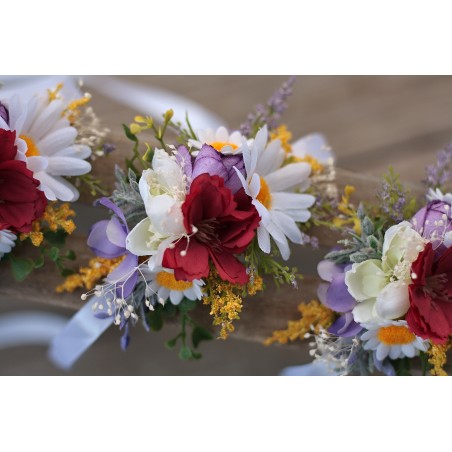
pixel 55 141
pixel 67 166
pixel 59 187
pixel 263 238
pixel 288 176
pixel 288 226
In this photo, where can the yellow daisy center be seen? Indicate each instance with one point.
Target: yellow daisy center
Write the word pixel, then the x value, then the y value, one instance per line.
pixel 264 196
pixel 395 335
pixel 219 145
pixel 168 281
pixel 32 149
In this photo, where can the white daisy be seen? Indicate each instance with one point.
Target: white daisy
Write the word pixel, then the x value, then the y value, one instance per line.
pixel 313 145
pixel 46 142
pixel 221 140
pixel 7 239
pixel 272 186
pixel 166 286
pixel 392 339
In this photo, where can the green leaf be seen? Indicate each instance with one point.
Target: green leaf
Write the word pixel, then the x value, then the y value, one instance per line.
pixel 129 134
pixel 21 268
pixel 56 238
pixel 187 305
pixel 70 255
pixel 200 334
pixel 169 310
pixel 367 226
pixel 54 253
pixel 39 262
pixel 155 320
pixel 172 342
pixel 185 353
pixel 196 355
pixel 65 272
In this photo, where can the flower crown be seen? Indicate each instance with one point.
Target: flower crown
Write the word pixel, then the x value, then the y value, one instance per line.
pixel 385 300
pixel 199 218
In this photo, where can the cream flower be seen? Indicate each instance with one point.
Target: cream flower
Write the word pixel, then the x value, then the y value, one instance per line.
pixel 7 239
pixel 381 286
pixel 392 339
pixel 163 191
pixel 164 284
pixel 46 142
pixel 221 140
pixel 272 186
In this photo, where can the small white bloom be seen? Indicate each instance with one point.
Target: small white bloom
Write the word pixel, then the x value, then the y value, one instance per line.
pixel 221 140
pixel 163 191
pixel 46 142
pixel 7 239
pixel 438 195
pixel 166 286
pixel 272 187
pixel 392 339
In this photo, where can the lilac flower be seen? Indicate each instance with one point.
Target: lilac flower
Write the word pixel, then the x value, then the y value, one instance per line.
pixel 4 114
pixel 107 239
pixel 433 222
pixel 334 294
pixel 108 148
pixel 441 172
pixel 214 163
pixel 393 200
pixel 271 112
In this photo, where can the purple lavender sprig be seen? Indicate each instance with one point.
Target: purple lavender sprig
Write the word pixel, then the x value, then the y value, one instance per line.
pixel 440 173
pixel 270 113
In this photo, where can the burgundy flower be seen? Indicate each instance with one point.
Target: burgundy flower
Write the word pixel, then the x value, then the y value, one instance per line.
pixel 21 202
pixel 430 313
pixel 220 225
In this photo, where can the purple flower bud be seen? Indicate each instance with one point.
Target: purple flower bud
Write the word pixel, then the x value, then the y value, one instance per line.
pixel 212 162
pixel 4 114
pixel 433 222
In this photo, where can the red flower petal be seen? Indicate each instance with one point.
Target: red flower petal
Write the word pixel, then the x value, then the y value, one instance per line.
pixel 8 149
pixel 194 265
pixel 229 268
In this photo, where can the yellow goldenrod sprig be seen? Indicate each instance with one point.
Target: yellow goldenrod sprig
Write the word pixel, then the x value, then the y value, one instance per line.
pixel 438 358
pixel 348 214
pixel 87 277
pixel 55 216
pixel 314 316
pixel 225 300
pixel 282 134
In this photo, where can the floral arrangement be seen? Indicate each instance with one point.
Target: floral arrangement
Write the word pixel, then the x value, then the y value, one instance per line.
pixel 46 144
pixel 200 219
pixel 385 303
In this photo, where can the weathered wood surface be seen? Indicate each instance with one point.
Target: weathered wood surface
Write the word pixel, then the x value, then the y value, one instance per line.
pixel 370 122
